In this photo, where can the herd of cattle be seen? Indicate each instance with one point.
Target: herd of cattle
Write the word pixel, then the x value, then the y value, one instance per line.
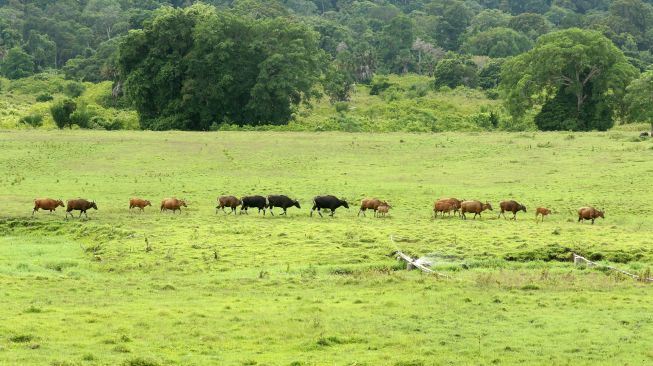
pixel 380 208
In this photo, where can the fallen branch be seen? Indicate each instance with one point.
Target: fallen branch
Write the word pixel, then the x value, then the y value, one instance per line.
pixel 415 262
pixel 582 260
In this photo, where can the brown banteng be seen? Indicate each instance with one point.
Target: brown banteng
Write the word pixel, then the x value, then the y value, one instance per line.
pixel 443 206
pixel 80 205
pixel 370 204
pixel 590 213
pixel 382 210
pixel 455 204
pixel 542 211
pixel 511 206
pixel 228 201
pixel 48 204
pixel 474 206
pixel 172 204
pixel 140 203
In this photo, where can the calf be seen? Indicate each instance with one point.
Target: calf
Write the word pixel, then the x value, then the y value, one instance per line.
pixel 80 205
pixel 590 213
pixel 370 204
pixel 253 201
pixel 542 211
pixel 46 204
pixel 511 206
pixel 474 206
pixel 228 201
pixel 281 201
pixel 172 204
pixel 382 210
pixel 140 203
pixel 327 202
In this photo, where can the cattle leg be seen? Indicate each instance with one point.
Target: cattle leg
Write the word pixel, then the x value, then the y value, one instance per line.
pixel 333 212
pixel 359 212
pixel 285 213
pixel 319 211
pixel 592 221
pixel 514 216
pixel 271 213
pixel 34 210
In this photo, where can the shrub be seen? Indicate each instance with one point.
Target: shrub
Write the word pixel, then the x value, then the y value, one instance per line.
pixel 61 112
pixel 82 117
pixel 98 122
pixel 34 120
pixel 74 89
pixel 342 107
pixel 44 97
pixel 379 85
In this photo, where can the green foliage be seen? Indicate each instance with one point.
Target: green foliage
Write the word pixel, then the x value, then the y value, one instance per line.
pixel 489 77
pixel 82 116
pixel 639 99
pixel 17 64
pixel 260 71
pixel 34 120
pixel 498 42
pixel 44 97
pixel 379 85
pixel 572 64
pixel 455 71
pixel 337 84
pixel 73 89
pixel 61 112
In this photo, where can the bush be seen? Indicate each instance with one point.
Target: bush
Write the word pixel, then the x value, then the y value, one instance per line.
pixel 34 120
pixel 379 85
pixel 98 122
pixel 74 89
pixel 61 112
pixel 82 117
pixel 342 107
pixel 44 97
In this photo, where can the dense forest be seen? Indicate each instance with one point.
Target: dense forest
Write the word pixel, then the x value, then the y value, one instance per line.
pixel 566 64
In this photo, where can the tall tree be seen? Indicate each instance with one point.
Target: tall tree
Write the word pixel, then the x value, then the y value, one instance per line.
pixel 582 65
pixel 189 68
pixel 639 99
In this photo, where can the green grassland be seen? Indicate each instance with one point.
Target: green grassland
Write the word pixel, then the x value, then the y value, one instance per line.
pixel 204 288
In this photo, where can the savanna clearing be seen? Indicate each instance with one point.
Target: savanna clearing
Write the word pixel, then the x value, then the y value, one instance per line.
pixel 204 288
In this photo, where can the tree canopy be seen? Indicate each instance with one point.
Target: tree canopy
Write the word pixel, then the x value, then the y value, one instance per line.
pixel 189 68
pixel 578 70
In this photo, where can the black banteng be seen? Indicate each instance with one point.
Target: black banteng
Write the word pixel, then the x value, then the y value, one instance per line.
pixel 281 201
pixel 327 202
pixel 253 201
pixel 80 205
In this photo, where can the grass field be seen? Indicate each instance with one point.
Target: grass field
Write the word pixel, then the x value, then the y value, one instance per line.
pixel 203 288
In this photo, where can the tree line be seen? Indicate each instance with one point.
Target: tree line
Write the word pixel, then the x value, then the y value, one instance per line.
pixel 254 61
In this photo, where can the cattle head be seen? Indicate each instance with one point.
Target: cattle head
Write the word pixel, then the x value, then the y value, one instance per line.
pixel 487 206
pixel 148 203
pixel 522 208
pixel 182 203
pixel 601 214
pixel 296 204
pixel 60 203
pixel 93 205
pixel 344 203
